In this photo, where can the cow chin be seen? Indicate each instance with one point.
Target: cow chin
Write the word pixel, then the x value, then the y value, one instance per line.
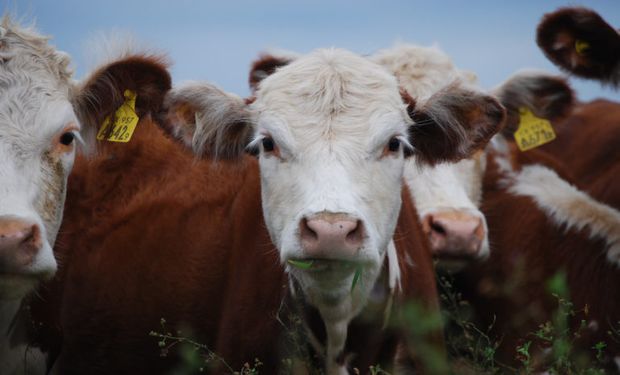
pixel 16 283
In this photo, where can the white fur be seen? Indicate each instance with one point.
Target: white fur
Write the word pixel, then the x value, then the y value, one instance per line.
pixel 569 207
pixel 331 114
pixel 422 71
pixel 34 109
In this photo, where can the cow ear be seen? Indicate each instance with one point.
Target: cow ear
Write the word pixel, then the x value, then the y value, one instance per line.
pixel 453 124
pixel 579 41
pixel 103 92
pixel 211 122
pixel 266 64
pixel 547 96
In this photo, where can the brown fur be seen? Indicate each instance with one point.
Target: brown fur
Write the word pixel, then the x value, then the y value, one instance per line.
pixel 556 36
pixel 453 124
pixel 263 67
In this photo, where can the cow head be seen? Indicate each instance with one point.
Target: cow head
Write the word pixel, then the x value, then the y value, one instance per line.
pixel 447 195
pixel 38 131
pixel 42 113
pixel 332 132
pixel 579 41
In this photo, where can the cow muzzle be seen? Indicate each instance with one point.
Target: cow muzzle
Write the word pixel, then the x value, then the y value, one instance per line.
pixel 328 235
pixel 20 243
pixel 456 235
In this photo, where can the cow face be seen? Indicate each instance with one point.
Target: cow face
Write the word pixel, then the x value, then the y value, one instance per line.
pixel 448 198
pixel 332 130
pixel 38 131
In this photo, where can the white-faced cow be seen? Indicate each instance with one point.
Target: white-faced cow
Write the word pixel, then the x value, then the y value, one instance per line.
pixel 332 132
pixel 38 129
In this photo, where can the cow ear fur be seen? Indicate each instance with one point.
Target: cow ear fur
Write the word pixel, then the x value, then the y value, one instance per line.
pixel 102 93
pixel 547 96
pixel 211 122
pixel 580 42
pixel 452 124
pixel 267 64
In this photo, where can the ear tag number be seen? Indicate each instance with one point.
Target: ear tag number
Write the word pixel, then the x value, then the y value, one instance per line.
pixel 532 131
pixel 125 121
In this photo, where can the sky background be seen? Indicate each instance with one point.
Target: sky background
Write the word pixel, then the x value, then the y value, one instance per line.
pixel 216 41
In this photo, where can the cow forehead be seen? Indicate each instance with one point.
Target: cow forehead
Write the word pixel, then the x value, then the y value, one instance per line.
pixel 30 114
pixel 331 93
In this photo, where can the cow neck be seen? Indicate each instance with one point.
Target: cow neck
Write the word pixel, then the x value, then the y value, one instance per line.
pixel 308 326
pixel 16 356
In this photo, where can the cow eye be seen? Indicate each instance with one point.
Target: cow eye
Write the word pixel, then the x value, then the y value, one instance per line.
pixel 393 145
pixel 268 144
pixel 67 138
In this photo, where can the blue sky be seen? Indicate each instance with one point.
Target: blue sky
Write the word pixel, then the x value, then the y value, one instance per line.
pixel 217 40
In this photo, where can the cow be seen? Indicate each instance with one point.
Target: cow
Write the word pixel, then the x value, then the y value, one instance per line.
pixel 331 162
pixel 580 42
pixel 150 232
pixel 38 133
pixel 523 186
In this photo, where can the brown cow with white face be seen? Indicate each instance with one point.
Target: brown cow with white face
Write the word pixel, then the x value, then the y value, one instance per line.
pixel 332 132
pixel 579 41
pixel 38 129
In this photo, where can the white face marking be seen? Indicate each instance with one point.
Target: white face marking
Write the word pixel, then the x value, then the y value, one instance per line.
pixel 331 115
pixel 34 163
pixel 450 187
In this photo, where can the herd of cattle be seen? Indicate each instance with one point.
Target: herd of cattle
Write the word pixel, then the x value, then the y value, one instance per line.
pixel 320 205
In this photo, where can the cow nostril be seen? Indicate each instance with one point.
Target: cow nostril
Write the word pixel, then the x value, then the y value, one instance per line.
pixel 437 228
pixel 305 232
pixel 355 235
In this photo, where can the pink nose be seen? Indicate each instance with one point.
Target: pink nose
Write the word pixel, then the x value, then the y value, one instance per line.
pixel 454 234
pixel 331 235
pixel 20 242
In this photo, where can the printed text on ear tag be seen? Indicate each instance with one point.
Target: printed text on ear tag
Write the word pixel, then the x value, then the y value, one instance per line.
pixel 125 121
pixel 533 131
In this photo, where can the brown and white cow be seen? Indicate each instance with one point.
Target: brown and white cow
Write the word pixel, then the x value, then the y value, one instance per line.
pixel 332 131
pixel 529 184
pixel 152 233
pixel 38 129
pixel 579 41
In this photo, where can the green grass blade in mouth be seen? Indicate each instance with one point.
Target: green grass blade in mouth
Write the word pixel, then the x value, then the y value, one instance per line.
pixel 356 277
pixel 301 264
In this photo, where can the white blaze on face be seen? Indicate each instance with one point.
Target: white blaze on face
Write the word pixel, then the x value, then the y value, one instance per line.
pixel 448 197
pixel 324 124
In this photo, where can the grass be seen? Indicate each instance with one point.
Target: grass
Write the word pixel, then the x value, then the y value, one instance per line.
pixel 471 349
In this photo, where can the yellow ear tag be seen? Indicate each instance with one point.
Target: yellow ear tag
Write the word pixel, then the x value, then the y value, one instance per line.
pixel 581 46
pixel 125 121
pixel 532 131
